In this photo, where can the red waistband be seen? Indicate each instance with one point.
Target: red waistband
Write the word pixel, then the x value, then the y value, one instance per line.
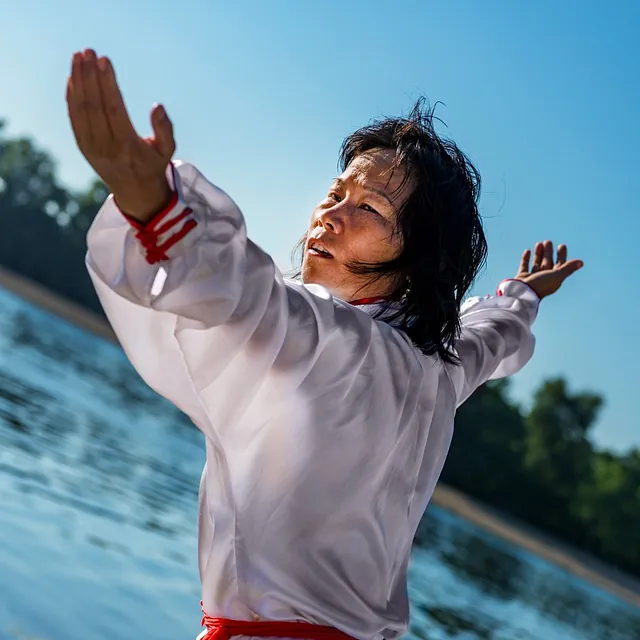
pixel 224 629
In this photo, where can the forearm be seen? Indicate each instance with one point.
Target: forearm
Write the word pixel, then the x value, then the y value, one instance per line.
pixel 496 339
pixel 197 245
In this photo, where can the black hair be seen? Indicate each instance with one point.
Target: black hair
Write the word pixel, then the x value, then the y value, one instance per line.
pixel 443 242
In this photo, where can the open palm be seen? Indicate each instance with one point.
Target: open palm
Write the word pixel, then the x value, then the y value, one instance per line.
pixel 546 274
pixel 133 167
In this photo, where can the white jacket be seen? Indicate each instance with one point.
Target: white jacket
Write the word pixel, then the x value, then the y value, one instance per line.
pixel 326 430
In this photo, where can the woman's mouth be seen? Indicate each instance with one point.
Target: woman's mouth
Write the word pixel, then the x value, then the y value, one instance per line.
pixel 318 250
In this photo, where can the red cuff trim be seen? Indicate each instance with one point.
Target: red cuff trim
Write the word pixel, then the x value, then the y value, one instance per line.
pixel 149 238
pixel 158 217
pixel 149 233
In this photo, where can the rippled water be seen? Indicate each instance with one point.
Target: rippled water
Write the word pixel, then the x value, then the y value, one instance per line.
pixel 98 492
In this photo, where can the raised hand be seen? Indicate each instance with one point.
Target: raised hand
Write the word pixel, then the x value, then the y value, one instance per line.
pixel 131 166
pixel 546 275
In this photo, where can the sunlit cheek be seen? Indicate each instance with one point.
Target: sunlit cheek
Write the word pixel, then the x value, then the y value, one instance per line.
pixel 377 244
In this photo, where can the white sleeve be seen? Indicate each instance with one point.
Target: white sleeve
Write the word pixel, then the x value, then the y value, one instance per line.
pixel 196 305
pixel 496 339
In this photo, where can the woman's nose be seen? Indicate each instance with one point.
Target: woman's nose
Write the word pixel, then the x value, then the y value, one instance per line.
pixel 334 218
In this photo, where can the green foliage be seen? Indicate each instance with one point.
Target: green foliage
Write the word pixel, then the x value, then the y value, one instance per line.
pixel 540 466
pixel 42 224
pixel 609 507
pixel 489 458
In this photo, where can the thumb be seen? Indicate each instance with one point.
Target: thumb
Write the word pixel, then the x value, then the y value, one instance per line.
pixel 163 132
pixel 568 268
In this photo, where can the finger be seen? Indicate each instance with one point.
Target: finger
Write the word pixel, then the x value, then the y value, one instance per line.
pixel 569 268
pixel 538 253
pixel 524 261
pixel 117 116
pixel 100 130
pixel 76 104
pixel 97 116
pixel 163 132
pixel 547 256
pixel 562 254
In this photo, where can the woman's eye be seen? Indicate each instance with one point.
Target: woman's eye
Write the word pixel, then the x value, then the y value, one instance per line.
pixel 334 196
pixel 367 207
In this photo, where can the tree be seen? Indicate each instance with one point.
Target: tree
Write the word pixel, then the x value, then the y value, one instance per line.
pixel 42 224
pixel 609 507
pixel 488 443
pixel 559 455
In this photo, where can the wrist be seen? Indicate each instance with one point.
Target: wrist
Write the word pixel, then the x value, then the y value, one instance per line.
pixel 531 286
pixel 505 285
pixel 144 200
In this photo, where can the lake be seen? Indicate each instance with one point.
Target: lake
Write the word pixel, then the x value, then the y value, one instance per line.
pixel 98 503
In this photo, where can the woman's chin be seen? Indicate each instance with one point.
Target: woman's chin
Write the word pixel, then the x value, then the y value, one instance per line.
pixel 318 272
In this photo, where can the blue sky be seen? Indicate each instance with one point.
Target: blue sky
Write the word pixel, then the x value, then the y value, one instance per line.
pixel 543 96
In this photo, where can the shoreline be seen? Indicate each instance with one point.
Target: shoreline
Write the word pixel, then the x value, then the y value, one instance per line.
pixel 48 300
pixel 579 563
pixel 540 543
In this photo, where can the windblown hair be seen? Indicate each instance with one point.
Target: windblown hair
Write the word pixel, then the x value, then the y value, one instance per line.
pixel 443 242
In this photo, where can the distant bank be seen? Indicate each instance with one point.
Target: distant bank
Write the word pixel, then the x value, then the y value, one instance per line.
pixel 545 546
pixel 46 299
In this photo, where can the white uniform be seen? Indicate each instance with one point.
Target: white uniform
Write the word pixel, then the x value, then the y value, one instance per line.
pixel 326 430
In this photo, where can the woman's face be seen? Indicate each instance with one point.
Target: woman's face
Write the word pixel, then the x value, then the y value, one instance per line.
pixel 355 223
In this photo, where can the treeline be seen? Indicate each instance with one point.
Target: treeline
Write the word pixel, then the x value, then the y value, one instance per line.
pixel 42 224
pixel 538 465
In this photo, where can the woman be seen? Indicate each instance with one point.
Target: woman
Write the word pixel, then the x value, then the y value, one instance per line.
pixel 327 406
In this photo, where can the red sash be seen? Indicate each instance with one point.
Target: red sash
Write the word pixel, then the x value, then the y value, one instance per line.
pixel 225 629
